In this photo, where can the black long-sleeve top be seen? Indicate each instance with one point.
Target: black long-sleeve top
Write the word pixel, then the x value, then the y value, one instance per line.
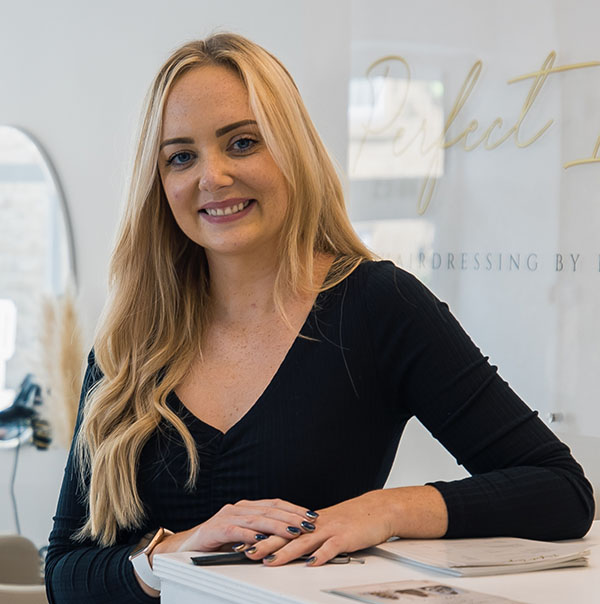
pixel 380 349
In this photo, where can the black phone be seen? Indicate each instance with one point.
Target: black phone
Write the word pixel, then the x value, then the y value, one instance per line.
pixel 241 558
pixel 223 558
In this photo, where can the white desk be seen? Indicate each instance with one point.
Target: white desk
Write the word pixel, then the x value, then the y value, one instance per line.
pixel 184 583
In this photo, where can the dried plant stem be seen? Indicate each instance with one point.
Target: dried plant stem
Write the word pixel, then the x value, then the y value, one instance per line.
pixel 48 370
pixel 71 358
pixel 62 362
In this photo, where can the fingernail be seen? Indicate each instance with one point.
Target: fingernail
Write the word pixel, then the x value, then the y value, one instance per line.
pixel 250 550
pixel 260 537
pixel 307 526
pixel 269 558
pixel 311 560
pixel 310 514
pixel 293 530
pixel 238 547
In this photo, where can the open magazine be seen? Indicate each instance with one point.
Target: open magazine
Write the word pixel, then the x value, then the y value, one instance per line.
pixel 416 591
pixel 476 557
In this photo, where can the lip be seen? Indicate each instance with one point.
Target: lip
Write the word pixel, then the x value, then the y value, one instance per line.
pixel 225 204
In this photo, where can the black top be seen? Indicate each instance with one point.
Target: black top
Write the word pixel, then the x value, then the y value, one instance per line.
pixel 380 348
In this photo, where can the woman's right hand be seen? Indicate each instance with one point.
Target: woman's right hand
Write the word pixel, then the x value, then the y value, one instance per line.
pixel 243 522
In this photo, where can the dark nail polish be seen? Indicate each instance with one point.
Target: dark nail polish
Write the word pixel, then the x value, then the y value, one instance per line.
pixel 293 530
pixel 260 537
pixel 238 547
pixel 310 514
pixel 307 526
pixel 311 560
pixel 269 558
pixel 250 550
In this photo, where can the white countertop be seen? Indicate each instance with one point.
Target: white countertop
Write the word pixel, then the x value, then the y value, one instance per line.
pixel 296 583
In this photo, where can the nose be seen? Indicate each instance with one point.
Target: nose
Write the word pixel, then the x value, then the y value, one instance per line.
pixel 215 173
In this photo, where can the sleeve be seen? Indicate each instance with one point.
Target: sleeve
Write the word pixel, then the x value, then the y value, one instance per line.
pixel 524 481
pixel 83 571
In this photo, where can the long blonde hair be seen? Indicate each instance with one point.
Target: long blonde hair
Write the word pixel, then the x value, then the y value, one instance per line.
pixel 152 325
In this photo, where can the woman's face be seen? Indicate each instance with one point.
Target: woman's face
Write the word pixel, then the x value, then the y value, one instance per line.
pixel 222 184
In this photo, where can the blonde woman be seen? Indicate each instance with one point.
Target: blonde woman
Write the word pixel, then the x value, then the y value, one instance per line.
pixel 254 368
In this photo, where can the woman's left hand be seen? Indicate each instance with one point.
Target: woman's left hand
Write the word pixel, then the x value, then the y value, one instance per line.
pixel 361 522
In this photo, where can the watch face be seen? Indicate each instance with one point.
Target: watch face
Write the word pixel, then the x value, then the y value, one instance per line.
pixel 137 552
pixel 146 541
pixel 151 540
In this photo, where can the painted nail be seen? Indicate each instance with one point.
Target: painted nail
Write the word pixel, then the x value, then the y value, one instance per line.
pixel 310 514
pixel 250 550
pixel 260 537
pixel 293 530
pixel 238 547
pixel 311 560
pixel 269 558
pixel 307 526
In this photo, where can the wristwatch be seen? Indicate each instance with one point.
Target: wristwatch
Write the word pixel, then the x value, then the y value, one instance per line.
pixel 141 559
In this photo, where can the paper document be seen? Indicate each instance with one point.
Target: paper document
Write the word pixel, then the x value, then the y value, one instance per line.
pixel 417 591
pixel 493 556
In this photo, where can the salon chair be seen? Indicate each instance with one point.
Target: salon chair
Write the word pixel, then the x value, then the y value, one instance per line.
pixel 21 580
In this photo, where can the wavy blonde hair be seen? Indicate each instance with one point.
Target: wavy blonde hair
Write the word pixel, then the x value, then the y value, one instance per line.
pixel 151 328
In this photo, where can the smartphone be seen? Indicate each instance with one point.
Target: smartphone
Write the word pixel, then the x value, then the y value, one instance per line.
pixel 223 558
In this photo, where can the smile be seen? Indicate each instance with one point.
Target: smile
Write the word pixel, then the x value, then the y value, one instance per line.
pixel 229 210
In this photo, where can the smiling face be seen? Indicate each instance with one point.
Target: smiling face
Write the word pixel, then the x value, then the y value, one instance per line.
pixel 223 187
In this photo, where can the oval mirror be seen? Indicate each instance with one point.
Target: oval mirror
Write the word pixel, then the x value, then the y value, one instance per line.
pixel 36 259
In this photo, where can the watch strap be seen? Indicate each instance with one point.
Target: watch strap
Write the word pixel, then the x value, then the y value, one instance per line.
pixel 141 560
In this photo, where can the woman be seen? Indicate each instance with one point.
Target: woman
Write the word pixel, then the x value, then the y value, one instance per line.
pixel 254 364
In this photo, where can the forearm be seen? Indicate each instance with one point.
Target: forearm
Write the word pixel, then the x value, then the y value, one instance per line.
pixel 153 593
pixel 361 522
pixel 527 502
pixel 413 512
pixel 94 575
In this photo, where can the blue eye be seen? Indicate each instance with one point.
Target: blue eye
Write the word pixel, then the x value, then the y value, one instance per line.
pixel 178 159
pixel 243 144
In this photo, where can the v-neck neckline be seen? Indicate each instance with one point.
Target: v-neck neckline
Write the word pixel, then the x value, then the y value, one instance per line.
pixel 273 383
pixel 264 395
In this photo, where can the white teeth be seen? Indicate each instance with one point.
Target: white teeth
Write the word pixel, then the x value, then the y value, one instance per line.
pixel 229 210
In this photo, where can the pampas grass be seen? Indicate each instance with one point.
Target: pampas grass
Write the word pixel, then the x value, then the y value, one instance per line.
pixel 61 363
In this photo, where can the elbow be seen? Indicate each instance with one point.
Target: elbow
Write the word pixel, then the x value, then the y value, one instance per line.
pixel 49 565
pixel 588 512
pixel 582 508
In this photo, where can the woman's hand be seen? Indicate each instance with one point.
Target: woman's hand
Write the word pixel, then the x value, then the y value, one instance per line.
pixel 372 518
pixel 242 523
pixel 245 522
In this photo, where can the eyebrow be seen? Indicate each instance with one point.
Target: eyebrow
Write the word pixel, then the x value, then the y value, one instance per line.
pixel 177 141
pixel 230 127
pixel 219 132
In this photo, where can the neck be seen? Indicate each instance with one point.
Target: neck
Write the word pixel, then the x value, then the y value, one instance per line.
pixel 241 288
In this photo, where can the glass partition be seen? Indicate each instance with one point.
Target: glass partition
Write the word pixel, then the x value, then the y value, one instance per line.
pixel 474 159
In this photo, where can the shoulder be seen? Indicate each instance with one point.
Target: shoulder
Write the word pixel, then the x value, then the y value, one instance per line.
pixel 382 283
pixel 93 372
pixel 91 358
pixel 395 304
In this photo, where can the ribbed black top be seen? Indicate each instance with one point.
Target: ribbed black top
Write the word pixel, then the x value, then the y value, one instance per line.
pixel 380 349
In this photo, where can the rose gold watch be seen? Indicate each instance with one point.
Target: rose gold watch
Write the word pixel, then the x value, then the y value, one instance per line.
pixel 141 559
